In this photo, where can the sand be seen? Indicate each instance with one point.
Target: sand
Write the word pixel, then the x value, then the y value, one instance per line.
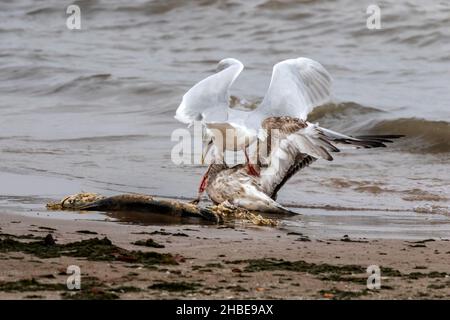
pixel 219 262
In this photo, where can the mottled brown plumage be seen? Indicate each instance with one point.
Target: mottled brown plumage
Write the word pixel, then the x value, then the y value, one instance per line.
pixel 277 128
pixel 285 125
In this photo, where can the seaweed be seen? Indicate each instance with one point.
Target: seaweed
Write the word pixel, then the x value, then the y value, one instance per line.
pixel 417 245
pixel 390 272
pixel 86 232
pixel 432 274
pixel 180 234
pixel 32 284
pixel 294 233
pixel 300 266
pixel 303 238
pixel 214 265
pixel 91 289
pixel 337 294
pixel 341 278
pixel 175 286
pixel 161 232
pixel 47 228
pixel 237 288
pixel 324 271
pixel 148 243
pixel 93 249
pixel 25 236
pixel 422 241
pixel 346 238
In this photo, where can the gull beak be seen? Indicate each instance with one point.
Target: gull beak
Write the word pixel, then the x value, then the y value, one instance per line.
pixel 205 150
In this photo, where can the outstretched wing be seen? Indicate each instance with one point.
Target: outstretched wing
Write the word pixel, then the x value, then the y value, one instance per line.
pixel 292 144
pixel 292 133
pixel 297 86
pixel 208 100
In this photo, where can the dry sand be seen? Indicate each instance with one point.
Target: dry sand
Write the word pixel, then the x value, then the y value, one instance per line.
pixel 215 262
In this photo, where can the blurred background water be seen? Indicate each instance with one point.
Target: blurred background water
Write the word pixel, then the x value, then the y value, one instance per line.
pixel 92 109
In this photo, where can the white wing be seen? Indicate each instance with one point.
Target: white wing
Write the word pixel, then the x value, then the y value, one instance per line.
pixel 208 100
pixel 297 86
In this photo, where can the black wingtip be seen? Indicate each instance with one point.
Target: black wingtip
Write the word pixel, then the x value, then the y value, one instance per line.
pixel 382 138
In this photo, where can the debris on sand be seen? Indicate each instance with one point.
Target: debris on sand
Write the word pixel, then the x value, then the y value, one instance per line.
pixel 227 213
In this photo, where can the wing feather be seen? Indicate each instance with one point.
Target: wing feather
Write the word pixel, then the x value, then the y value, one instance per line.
pixel 297 86
pixel 208 100
pixel 290 137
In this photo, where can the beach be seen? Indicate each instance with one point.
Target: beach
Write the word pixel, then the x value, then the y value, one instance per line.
pixel 219 262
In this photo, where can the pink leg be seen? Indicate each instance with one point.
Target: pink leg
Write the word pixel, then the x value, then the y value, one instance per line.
pixel 203 184
pixel 202 187
pixel 251 169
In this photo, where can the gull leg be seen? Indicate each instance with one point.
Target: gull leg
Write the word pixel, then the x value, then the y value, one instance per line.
pixel 251 169
pixel 202 187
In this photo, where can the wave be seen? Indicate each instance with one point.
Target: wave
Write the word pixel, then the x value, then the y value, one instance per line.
pixel 160 7
pixel 96 139
pixel 340 110
pixel 86 82
pixel 421 135
pixel 43 10
pixel 283 4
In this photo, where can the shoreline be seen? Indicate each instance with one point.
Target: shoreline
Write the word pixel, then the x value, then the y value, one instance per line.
pixel 212 262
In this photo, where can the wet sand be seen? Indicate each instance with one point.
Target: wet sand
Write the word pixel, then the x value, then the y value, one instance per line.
pixel 211 262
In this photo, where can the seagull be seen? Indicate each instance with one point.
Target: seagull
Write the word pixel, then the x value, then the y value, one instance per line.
pixel 236 187
pixel 278 124
pixel 208 101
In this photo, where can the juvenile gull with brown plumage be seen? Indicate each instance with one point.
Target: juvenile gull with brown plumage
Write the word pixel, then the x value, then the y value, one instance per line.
pixel 235 186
